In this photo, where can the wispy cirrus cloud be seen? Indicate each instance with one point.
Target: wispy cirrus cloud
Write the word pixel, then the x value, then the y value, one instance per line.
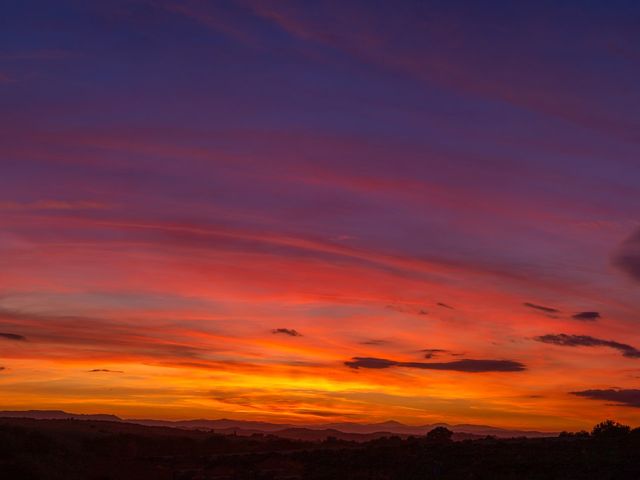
pixel 468 365
pixel 375 342
pixel 215 17
pixel 434 55
pixel 565 340
pixel 101 338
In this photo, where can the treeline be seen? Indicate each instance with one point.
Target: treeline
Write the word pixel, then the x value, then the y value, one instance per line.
pixel 606 429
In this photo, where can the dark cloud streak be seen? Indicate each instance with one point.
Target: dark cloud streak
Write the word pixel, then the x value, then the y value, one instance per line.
pixel 374 342
pixel 13 337
pixel 542 308
pixel 565 340
pixel 469 365
pixel 444 305
pixel 587 316
pixel 621 397
pixel 286 331
pixel 433 352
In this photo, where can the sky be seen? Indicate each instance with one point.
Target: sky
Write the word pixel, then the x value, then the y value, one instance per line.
pixel 311 212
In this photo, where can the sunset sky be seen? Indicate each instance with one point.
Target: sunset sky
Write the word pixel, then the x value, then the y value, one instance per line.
pixel 318 211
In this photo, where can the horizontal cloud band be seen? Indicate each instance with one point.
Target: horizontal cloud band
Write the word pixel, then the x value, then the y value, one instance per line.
pixel 468 365
pixel 13 336
pixel 622 397
pixel 587 341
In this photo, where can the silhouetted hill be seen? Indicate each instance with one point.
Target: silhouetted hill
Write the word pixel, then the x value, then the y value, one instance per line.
pixel 57 415
pixel 245 427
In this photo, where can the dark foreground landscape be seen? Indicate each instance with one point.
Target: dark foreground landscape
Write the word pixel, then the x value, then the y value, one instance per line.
pixel 88 449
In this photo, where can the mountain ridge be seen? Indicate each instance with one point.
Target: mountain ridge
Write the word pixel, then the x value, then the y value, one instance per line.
pixel 248 427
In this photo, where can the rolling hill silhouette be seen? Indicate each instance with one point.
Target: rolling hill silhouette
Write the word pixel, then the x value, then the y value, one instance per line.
pixel 345 430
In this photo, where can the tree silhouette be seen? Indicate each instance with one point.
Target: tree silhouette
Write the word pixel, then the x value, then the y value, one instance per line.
pixel 439 435
pixel 609 428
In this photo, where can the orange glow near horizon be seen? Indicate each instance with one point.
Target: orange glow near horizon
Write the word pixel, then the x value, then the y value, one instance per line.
pixel 180 331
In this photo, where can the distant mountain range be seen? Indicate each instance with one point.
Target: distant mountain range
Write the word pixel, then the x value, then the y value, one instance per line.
pixel 343 431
